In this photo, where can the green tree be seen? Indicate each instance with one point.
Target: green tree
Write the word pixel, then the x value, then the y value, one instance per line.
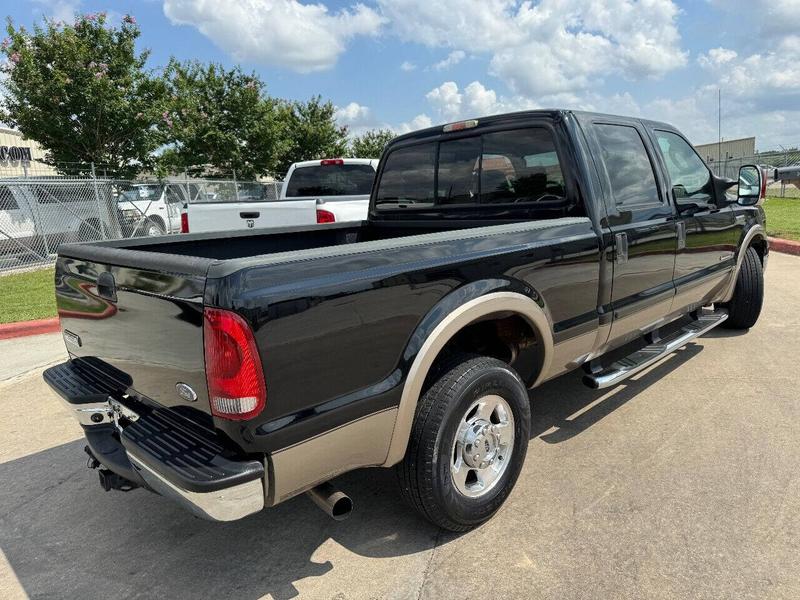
pixel 370 144
pixel 311 132
pixel 82 91
pixel 218 121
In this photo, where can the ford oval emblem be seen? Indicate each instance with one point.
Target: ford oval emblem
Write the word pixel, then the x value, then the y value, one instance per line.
pixel 186 392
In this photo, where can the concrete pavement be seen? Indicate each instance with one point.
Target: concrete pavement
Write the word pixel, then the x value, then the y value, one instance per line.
pixel 681 483
pixel 20 355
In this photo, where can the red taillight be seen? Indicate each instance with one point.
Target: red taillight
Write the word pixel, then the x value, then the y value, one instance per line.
pixel 331 161
pixel 236 388
pixel 763 183
pixel 184 222
pixel 325 216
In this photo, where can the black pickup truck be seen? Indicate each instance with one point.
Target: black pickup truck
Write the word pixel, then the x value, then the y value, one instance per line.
pixel 232 372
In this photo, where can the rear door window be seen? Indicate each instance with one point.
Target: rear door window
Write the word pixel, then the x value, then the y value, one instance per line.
pixel 331 180
pixel 628 165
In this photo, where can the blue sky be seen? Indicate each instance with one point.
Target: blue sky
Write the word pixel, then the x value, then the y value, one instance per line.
pixel 409 63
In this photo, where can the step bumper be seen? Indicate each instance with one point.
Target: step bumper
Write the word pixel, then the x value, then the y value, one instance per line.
pixel 169 454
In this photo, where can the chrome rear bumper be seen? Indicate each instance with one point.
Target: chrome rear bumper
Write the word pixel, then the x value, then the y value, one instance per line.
pixel 227 504
pixel 172 456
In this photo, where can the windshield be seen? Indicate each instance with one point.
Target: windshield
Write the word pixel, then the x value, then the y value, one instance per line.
pixel 141 192
pixel 331 180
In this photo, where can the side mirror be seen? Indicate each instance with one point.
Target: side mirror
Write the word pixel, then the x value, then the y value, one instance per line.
pixel 750 179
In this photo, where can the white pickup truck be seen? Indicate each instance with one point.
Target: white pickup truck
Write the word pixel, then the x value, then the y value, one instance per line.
pixel 330 190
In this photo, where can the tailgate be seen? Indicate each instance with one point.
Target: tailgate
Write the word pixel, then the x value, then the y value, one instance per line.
pixel 236 216
pixel 142 327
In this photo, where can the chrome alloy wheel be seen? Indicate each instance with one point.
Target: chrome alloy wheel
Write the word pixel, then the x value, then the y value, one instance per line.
pixel 482 446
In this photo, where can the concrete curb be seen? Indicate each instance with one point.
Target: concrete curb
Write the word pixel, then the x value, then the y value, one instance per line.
pixel 785 246
pixel 25 328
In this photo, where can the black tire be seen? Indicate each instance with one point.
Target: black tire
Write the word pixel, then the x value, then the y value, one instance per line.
pixel 748 295
pixel 424 473
pixel 92 231
pixel 153 228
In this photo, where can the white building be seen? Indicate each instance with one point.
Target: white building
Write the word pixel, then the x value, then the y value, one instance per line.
pixel 20 157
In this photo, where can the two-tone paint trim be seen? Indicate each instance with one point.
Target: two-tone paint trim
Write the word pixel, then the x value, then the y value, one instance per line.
pixel 478 308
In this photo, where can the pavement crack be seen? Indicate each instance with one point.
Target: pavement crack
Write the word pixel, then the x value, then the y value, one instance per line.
pixel 426 572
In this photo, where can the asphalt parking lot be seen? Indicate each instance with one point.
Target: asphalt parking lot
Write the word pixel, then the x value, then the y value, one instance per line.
pixel 681 483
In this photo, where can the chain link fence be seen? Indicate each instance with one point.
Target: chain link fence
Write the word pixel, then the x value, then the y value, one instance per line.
pixel 769 161
pixel 39 212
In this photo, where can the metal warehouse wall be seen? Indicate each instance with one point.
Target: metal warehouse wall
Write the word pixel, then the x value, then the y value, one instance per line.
pixel 728 149
pixel 17 168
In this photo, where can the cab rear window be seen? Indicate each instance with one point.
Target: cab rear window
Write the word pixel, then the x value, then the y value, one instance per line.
pixel 331 180
pixel 518 167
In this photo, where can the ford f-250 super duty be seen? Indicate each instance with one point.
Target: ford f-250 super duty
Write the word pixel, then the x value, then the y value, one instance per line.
pixel 230 373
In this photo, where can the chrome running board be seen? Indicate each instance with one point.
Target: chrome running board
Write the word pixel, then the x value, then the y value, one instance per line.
pixel 643 358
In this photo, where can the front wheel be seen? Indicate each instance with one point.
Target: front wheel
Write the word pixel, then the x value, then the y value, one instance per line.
pixel 467 444
pixel 748 295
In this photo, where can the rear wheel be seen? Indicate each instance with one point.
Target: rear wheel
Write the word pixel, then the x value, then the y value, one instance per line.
pixel 152 228
pixel 467 444
pixel 748 295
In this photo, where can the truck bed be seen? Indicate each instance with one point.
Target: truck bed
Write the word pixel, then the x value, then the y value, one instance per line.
pixel 296 287
pixel 198 251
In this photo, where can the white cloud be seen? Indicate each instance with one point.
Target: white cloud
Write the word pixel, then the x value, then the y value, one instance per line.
pixel 762 79
pixel 285 33
pixel 452 104
pixel 474 24
pixel 553 46
pixel 407 66
pixel 352 114
pixel 446 99
pixel 716 57
pixel 421 121
pixel 764 17
pixel 760 84
pixel 59 10
pixel 455 57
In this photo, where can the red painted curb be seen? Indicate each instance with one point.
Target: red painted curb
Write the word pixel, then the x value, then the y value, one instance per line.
pixel 25 328
pixel 785 246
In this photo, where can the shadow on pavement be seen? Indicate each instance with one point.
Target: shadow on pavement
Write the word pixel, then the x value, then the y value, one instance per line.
pixel 721 332
pixel 64 537
pixel 553 403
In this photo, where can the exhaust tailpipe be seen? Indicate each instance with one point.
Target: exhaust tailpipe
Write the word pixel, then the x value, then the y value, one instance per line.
pixel 336 504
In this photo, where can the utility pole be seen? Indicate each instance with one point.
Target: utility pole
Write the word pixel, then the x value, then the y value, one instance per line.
pixel 719 125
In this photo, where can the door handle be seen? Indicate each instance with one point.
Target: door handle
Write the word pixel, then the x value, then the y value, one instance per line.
pixel 249 215
pixel 621 248
pixel 681 234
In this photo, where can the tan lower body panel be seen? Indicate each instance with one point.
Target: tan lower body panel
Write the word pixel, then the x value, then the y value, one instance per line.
pixel 571 353
pixel 361 443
